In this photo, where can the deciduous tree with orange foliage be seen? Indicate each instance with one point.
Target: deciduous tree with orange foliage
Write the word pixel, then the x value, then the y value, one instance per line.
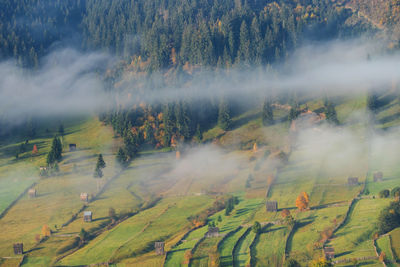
pixel 302 201
pixel 35 150
pixel 46 231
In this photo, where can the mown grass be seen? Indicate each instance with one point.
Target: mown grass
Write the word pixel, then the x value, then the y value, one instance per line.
pixel 241 255
pixel 395 236
pixel 226 247
pixel 176 255
pixel 354 239
pixel 137 235
pixel 270 247
pixel 58 196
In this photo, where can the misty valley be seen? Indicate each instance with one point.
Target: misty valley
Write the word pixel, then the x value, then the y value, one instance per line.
pixel 198 133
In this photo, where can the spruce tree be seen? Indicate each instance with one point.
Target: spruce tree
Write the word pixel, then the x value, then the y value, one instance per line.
pixel 55 153
pixel 372 102
pixel 100 165
pixel 330 113
pixel 267 113
pixel 122 158
pixel 224 117
pixel 199 134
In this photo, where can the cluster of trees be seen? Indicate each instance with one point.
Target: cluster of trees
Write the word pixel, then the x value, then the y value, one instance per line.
pixel 230 204
pixel 389 218
pixel 173 32
pixel 163 125
pixel 385 193
pixel 29 28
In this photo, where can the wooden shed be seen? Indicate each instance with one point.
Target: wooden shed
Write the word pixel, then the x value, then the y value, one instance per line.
pixel 212 232
pixel 32 193
pixel 272 206
pixel 72 147
pixel 159 247
pixel 329 253
pixel 87 216
pixel 84 196
pixel 378 177
pixel 352 181
pixel 18 248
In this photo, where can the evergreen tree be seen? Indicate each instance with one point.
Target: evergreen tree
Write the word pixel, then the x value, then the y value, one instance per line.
pixel 199 134
pixel 122 158
pixel 372 102
pixel 330 113
pixel 267 113
pixel 55 153
pixel 131 143
pixel 61 130
pixel 100 165
pixel 224 116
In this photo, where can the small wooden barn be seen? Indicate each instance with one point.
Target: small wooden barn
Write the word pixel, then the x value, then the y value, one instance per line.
pixel 159 247
pixel 32 193
pixel 84 196
pixel 378 177
pixel 72 147
pixel 18 248
pixel 212 232
pixel 352 181
pixel 329 253
pixel 87 216
pixel 272 206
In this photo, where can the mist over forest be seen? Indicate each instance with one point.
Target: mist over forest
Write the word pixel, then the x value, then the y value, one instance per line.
pixel 199 133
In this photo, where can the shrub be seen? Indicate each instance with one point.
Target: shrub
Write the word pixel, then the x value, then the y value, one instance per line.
pixel 384 193
pixel 389 218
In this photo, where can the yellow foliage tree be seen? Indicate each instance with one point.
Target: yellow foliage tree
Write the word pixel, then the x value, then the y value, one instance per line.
pixel 302 201
pixel 46 231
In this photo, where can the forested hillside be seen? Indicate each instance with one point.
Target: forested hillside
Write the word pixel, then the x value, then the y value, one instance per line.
pixel 172 33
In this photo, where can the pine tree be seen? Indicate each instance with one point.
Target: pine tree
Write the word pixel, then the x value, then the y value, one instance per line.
pixel 267 113
pixel 61 130
pixel 199 134
pixel 224 117
pixel 100 162
pixel 372 102
pixel 330 113
pixel 122 158
pixel 55 153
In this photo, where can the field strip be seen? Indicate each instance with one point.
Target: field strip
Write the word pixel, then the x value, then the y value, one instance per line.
pixel 16 200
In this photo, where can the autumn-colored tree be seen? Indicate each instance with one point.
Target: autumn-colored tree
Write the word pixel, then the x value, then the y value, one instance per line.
pixel 382 257
pixel 214 260
pixel 187 257
pixel 302 201
pixel 34 150
pixel 285 213
pixel 178 154
pixel 255 148
pixel 46 231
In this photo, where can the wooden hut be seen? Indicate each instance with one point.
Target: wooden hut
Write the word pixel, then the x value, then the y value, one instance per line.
pixel 32 193
pixel 272 206
pixel 87 216
pixel 352 181
pixel 378 177
pixel 159 247
pixel 18 248
pixel 329 253
pixel 84 196
pixel 212 232
pixel 72 147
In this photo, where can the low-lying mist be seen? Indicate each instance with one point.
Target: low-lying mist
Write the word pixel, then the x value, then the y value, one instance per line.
pixel 71 82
